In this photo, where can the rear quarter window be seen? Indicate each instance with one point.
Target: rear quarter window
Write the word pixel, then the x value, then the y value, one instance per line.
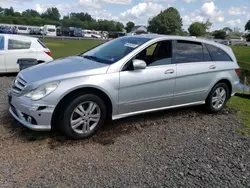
pixel 18 44
pixel 217 54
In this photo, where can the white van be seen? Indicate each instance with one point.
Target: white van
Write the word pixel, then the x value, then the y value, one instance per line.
pixel 49 30
pixel 14 47
pixel 22 29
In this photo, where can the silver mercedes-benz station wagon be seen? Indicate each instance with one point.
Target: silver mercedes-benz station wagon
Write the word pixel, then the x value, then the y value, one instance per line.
pixel 123 77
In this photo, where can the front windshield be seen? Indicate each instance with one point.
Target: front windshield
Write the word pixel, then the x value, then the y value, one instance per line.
pixel 114 50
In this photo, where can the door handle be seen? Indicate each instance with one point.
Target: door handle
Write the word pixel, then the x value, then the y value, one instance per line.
pixel 169 71
pixel 212 67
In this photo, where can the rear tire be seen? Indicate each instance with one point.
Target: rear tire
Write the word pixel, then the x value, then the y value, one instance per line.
pixel 83 116
pixel 217 98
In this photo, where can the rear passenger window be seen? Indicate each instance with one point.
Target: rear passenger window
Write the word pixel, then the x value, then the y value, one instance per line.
pixel 17 44
pixel 218 54
pixel 188 51
pixel 1 43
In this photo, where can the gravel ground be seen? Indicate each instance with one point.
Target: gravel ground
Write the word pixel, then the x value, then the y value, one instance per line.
pixel 178 148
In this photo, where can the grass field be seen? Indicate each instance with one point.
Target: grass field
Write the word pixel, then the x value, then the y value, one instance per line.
pixel 243 56
pixel 64 48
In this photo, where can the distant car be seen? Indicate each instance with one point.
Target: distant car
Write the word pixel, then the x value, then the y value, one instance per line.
pixel 75 32
pixel 49 30
pixel 14 47
pixel 62 31
pixel 123 77
pixel 35 31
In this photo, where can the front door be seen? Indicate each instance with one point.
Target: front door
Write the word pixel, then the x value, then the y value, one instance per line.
pixel 152 87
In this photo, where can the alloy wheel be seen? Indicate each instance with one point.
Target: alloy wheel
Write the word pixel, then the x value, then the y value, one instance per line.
pixel 219 97
pixel 85 117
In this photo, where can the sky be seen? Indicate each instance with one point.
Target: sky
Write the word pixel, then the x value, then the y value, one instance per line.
pixel 222 13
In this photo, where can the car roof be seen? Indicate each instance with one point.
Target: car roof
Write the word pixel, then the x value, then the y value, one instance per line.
pixel 176 37
pixel 13 36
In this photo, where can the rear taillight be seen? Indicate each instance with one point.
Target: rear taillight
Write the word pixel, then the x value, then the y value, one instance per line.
pixel 48 53
pixel 237 71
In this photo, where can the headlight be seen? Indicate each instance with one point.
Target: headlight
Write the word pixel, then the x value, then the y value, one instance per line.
pixel 42 91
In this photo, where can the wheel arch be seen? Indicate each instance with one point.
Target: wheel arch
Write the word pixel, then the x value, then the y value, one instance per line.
pixel 80 91
pixel 227 82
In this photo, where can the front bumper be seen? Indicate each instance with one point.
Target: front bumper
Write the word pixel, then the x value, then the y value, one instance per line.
pixel 32 114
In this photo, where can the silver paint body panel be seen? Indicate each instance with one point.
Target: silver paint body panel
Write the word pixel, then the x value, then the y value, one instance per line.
pixel 130 92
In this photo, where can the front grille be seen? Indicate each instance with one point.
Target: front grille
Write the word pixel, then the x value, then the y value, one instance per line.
pixel 18 85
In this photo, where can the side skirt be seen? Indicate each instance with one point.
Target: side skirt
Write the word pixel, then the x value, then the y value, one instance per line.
pixel 119 116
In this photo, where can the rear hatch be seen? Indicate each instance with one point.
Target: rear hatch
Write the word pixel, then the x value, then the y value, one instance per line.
pixel 46 50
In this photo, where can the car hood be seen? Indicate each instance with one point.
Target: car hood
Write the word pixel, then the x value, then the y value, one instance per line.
pixel 70 67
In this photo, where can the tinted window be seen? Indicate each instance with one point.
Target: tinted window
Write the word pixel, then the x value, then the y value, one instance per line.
pixel 207 56
pixel 187 51
pixel 157 54
pixel 51 30
pixel 217 54
pixel 22 28
pixel 17 44
pixel 162 54
pixel 1 43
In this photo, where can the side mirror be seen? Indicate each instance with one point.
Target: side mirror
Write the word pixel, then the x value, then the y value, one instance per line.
pixel 139 64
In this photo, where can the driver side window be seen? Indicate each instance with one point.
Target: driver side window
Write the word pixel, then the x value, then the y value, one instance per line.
pixel 157 54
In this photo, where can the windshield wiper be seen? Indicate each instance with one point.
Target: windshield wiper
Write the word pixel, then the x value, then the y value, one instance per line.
pixel 96 59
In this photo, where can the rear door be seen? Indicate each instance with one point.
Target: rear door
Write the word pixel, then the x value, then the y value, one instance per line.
pixel 2 54
pixel 195 72
pixel 16 49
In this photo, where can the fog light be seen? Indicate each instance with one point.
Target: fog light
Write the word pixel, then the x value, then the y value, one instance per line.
pixel 29 119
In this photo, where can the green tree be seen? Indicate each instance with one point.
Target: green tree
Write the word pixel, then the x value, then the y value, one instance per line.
pixel 119 26
pixel 182 33
pixel 52 14
pixel 248 37
pixel 1 10
pixel 227 30
pixel 220 34
pixel 247 26
pixel 30 13
pixel 197 29
pixel 129 26
pixel 9 11
pixel 81 16
pixel 208 24
pixel 167 22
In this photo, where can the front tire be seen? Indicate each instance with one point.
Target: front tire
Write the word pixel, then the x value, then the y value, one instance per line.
pixel 83 116
pixel 217 98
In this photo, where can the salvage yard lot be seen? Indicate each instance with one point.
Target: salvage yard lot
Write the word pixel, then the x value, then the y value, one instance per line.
pixel 175 148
